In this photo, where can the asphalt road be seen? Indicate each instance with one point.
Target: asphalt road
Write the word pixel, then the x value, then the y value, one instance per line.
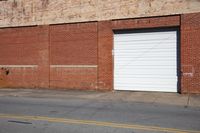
pixel 77 115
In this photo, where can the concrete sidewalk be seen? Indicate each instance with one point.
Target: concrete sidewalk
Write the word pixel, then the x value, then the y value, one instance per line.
pixel 126 96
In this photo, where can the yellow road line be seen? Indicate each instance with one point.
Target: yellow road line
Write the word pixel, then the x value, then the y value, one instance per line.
pixel 97 123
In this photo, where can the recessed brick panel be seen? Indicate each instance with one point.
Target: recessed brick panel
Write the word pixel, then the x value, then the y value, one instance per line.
pixel 18 46
pixel 75 45
pixel 21 47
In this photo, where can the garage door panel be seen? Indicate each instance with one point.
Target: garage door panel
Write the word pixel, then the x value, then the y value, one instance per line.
pixel 147 80
pixel 150 63
pixel 153 55
pixel 143 59
pixel 144 53
pixel 122 68
pixel 146 50
pixel 144 42
pixel 146 61
pixel 154 77
pixel 125 73
pixel 148 37
pixel 148 88
pixel 146 72
pixel 130 47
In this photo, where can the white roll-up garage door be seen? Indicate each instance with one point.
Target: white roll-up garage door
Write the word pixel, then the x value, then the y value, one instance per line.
pixel 146 61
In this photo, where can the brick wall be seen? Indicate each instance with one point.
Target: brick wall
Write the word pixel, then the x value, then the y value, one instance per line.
pixel 167 21
pixel 105 60
pixel 58 56
pixel 24 57
pixel 79 56
pixel 74 56
pixel 190 53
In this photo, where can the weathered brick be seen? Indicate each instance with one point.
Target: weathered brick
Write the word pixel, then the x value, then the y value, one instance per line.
pixel 24 46
pixel 190 53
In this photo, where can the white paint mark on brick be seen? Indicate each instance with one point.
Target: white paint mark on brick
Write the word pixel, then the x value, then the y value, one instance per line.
pixel 19 66
pixel 74 66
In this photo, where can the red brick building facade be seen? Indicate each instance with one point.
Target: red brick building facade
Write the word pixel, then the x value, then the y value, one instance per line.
pixel 79 55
